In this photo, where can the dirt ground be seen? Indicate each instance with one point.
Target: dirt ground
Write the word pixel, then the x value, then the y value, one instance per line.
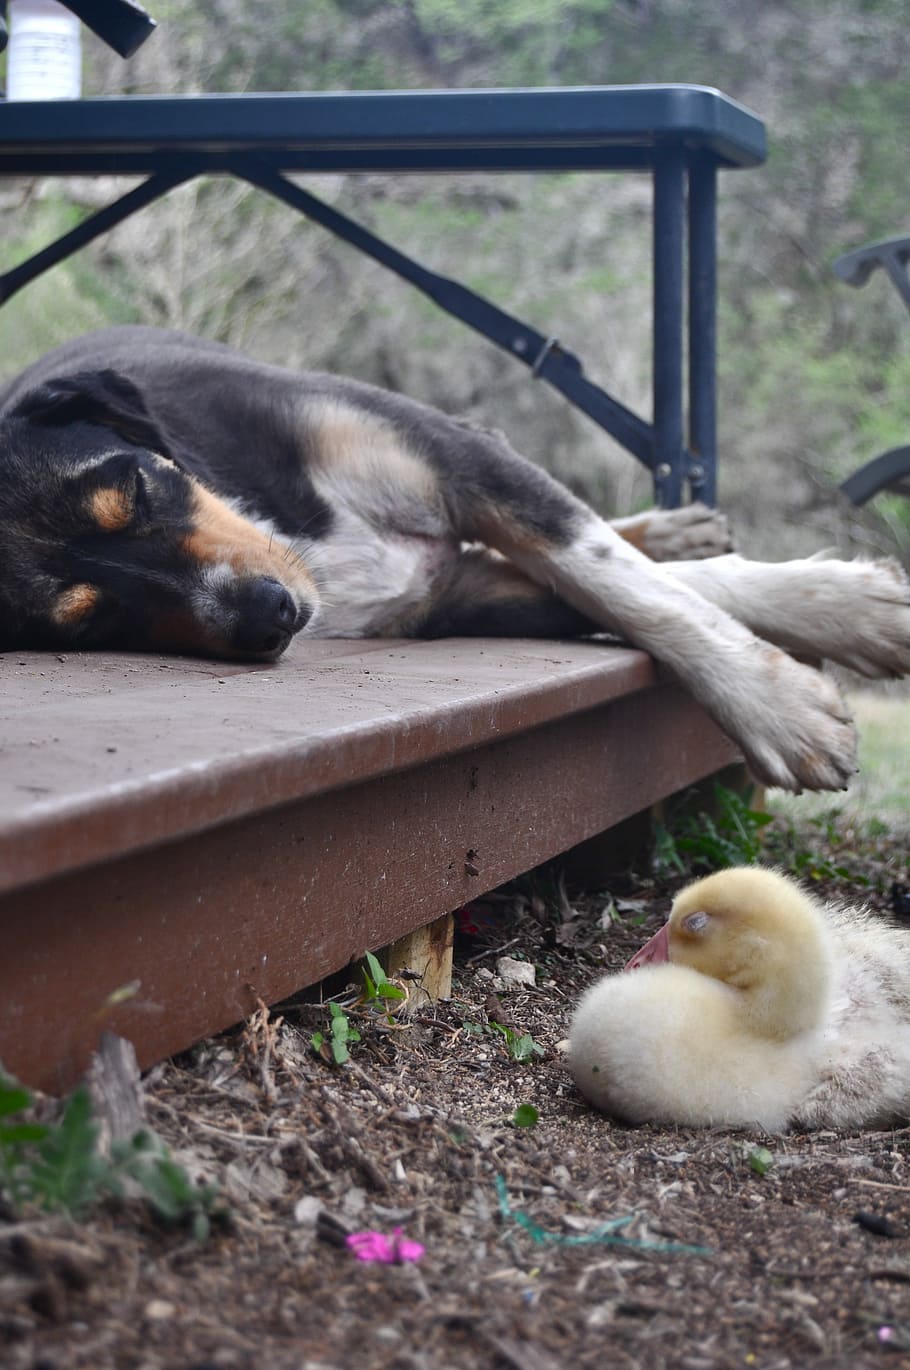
pixel 571 1242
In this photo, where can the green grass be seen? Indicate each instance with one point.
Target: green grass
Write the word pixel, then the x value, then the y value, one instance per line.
pixel 58 1168
pixel 880 793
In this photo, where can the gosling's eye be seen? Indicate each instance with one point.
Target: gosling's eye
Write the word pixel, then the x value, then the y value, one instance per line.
pixel 696 922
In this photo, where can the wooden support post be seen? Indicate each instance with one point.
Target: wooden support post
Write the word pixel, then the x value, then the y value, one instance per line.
pixel 426 953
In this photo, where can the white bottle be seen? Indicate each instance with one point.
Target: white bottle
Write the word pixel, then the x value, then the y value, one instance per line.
pixel 44 58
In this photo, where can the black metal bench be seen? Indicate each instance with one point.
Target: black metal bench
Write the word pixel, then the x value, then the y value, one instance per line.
pixel 681 135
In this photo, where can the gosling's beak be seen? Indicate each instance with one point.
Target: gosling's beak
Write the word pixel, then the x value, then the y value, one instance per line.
pixel 658 949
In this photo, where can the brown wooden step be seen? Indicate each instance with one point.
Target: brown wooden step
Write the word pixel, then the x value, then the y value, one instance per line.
pixel 210 833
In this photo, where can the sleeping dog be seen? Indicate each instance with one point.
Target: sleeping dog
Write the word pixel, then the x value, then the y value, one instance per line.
pixel 163 493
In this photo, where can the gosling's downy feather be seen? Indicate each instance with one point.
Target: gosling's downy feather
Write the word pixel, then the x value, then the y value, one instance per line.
pixel 865 1069
pixel 761 1006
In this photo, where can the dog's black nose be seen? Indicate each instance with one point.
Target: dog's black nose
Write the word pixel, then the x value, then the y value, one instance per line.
pixel 267 618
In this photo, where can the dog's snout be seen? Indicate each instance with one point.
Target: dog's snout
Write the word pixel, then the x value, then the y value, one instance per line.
pixel 268 617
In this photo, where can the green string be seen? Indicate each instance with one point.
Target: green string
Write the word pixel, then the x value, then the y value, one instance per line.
pixel 604 1234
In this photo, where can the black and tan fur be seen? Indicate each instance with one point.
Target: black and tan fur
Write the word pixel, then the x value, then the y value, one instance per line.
pixel 159 492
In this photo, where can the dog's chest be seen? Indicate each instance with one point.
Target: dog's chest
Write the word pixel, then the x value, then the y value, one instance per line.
pixel 376 584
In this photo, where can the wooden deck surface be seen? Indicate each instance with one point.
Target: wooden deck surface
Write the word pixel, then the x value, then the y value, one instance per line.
pixel 211 833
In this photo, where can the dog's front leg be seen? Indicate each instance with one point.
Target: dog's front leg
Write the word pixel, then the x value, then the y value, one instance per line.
pixel 856 613
pixel 789 720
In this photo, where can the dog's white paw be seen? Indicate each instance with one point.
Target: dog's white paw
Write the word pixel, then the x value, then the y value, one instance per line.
pixel 866 605
pixel 792 724
pixel 692 533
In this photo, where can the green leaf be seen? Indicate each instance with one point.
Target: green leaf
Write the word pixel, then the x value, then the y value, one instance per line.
pixel 168 1189
pixel 201 1226
pixel 377 985
pixel 172 1194
pixel 66 1172
pixel 15 1134
pixel 521 1046
pixel 341 1034
pixel 524 1047
pixel 761 1160
pixel 377 974
pixel 13 1099
pixel 525 1115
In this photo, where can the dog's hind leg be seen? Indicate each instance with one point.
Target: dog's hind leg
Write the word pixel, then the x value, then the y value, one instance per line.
pixel 788 719
pixel 488 596
pixel 856 613
pixel 689 533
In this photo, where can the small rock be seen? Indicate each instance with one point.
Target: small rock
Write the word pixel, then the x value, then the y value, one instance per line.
pixel 159 1310
pixel 515 974
pixel 354 1201
pixel 307 1210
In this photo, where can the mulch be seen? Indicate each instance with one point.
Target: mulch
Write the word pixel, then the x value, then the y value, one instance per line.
pixel 570 1242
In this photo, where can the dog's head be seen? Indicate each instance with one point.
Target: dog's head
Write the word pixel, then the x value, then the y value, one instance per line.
pixel 106 541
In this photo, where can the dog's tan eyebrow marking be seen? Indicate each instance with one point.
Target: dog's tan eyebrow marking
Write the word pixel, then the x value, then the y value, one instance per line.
pixel 111 508
pixel 74 604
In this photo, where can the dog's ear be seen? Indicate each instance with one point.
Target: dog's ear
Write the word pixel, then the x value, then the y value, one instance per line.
pixel 101 397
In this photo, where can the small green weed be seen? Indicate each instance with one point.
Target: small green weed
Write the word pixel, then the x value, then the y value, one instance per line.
pixel 794 849
pixel 525 1115
pixel 51 1167
pixel 760 1160
pixel 378 991
pixel 624 913
pixel 521 1045
pixel 379 998
pixel 729 836
pixel 175 1198
pixel 341 1034
pixel 57 1167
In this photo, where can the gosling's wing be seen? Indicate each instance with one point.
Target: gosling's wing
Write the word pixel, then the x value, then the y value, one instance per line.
pixel 664 1045
pixel 864 1073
